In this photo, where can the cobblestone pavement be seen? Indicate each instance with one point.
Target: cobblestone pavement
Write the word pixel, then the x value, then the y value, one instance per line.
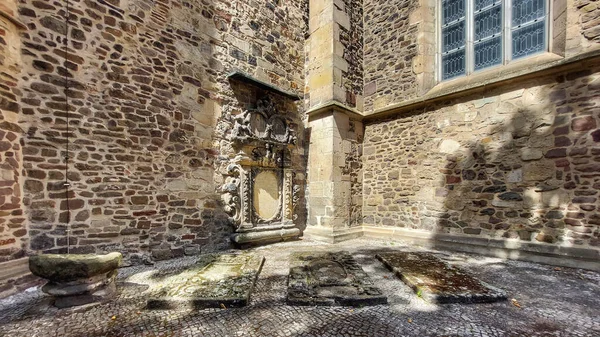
pixel 564 302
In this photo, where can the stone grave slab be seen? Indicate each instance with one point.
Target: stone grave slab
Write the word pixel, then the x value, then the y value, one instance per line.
pixel 438 282
pixel 332 278
pixel 214 281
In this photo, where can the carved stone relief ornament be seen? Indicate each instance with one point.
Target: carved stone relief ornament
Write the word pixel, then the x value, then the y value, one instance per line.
pixel 259 191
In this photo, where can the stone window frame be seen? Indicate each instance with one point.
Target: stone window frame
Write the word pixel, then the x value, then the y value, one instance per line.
pixel 426 63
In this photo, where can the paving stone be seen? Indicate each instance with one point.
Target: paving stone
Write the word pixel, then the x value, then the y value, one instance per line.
pixel 552 303
pixel 330 279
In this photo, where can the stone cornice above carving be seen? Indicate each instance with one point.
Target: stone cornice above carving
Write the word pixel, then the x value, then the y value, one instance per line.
pixel 243 77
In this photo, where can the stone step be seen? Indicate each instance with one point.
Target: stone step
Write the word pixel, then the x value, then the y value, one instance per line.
pixel 15 276
pixel 14 269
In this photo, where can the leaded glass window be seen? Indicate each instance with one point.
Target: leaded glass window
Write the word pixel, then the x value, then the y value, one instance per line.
pixel 453 38
pixel 528 27
pixel 477 34
pixel 487 43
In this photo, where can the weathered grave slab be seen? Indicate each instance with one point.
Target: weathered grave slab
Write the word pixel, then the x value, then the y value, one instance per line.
pixel 214 281
pixel 436 281
pixel 330 279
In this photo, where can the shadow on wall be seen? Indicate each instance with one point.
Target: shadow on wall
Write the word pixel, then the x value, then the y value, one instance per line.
pixel 533 173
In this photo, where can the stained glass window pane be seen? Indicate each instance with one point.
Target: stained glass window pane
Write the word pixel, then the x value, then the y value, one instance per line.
pixel 452 10
pixel 488 53
pixel 488 23
pixel 454 33
pixel 453 64
pixel 453 37
pixel 528 40
pixel 525 11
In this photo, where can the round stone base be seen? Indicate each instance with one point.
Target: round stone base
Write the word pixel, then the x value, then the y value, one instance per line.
pixel 105 293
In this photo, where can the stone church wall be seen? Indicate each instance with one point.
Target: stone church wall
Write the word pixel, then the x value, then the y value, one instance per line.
pixel 351 39
pixel 521 161
pixel 13 232
pixel 150 110
pixel 390 45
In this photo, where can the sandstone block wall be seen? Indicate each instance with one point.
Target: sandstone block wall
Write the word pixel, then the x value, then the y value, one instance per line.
pixel 149 111
pixel 517 162
pixel 400 46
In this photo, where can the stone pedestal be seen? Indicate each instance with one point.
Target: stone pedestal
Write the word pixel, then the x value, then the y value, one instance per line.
pixel 77 279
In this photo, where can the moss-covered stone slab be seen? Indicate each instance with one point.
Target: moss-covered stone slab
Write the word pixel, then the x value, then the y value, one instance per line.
pixel 214 281
pixel 438 282
pixel 330 279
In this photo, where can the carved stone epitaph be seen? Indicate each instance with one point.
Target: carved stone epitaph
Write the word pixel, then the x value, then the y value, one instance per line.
pixel 259 192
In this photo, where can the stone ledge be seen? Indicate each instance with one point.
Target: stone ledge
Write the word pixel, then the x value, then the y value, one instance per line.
pixel 14 268
pixel 545 64
pixel 248 238
pixel 15 276
pixel 332 106
pixel 330 235
pixel 573 257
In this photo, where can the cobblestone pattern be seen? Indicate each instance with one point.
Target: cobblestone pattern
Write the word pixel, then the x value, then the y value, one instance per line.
pixel 13 234
pixel 149 105
pixel 352 42
pixel 590 18
pixel 552 303
pixel 390 44
pixel 521 162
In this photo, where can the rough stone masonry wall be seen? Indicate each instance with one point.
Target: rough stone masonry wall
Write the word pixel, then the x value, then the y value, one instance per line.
pixel 390 44
pixel 590 18
pixel 148 106
pixel 13 235
pixel 521 161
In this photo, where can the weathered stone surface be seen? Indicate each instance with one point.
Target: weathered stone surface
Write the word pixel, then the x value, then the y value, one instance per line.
pixel 149 113
pixel 71 267
pixel 438 282
pixel 77 279
pixel 330 279
pixel 545 294
pixel 213 281
pixel 527 153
